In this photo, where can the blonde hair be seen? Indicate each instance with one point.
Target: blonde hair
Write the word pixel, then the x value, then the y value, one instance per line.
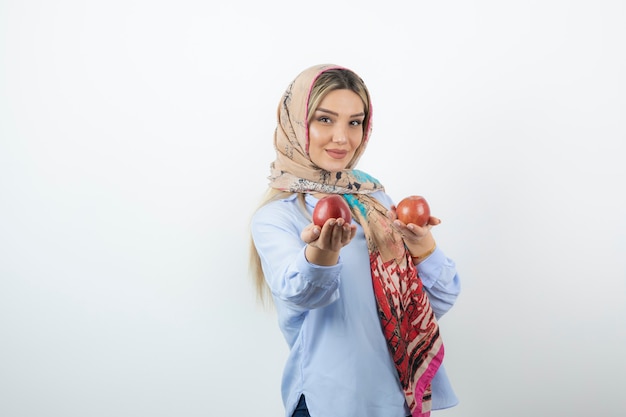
pixel 327 81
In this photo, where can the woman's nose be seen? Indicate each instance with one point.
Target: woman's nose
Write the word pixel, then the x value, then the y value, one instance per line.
pixel 340 135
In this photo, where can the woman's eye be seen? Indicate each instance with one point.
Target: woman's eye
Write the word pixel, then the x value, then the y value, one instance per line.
pixel 356 122
pixel 324 119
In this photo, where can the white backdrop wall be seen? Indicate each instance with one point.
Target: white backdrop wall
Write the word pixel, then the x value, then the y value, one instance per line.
pixel 135 141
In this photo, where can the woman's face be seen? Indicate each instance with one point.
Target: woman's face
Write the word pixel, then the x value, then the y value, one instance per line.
pixel 336 130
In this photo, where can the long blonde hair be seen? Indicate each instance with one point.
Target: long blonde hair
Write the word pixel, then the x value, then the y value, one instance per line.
pixel 327 81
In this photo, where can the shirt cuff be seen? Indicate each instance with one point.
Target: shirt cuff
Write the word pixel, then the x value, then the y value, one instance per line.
pixel 317 275
pixel 429 270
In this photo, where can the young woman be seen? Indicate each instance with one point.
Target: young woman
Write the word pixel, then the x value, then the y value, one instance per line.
pixel 357 303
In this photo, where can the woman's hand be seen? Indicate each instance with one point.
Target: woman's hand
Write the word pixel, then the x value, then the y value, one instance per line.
pixel 324 244
pixel 418 240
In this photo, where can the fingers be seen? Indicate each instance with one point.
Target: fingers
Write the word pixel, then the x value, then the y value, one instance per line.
pixel 413 233
pixel 348 232
pixel 334 235
pixel 310 233
pixel 411 230
pixel 339 233
pixel 392 214
pixel 434 221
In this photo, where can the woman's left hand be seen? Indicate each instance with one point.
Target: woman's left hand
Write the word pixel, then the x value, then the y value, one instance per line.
pixel 418 239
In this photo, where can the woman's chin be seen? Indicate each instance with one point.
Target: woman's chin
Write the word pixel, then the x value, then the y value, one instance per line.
pixel 333 167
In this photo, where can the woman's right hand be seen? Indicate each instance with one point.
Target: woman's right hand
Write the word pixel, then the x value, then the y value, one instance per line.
pixel 324 244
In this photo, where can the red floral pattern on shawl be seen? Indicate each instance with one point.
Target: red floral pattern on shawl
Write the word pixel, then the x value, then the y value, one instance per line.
pixel 407 319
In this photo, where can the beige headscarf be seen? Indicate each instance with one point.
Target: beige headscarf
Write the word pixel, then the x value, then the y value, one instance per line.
pixel 293 170
pixel 407 319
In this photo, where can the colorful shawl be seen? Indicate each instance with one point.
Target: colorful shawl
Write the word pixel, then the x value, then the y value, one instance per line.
pixel 406 317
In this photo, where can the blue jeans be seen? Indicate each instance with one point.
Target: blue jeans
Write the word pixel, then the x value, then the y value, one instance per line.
pixel 301 410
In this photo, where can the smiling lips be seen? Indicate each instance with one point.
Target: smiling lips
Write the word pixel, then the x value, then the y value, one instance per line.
pixel 336 153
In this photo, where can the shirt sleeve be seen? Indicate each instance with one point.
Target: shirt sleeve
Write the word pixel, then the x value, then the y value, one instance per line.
pixel 299 284
pixel 440 278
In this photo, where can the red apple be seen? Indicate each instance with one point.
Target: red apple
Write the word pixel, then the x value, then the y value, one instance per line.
pixel 331 207
pixel 413 209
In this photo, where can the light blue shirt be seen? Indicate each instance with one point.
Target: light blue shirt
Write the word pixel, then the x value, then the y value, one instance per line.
pixel 338 354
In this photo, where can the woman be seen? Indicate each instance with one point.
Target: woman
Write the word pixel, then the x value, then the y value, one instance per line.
pixel 357 303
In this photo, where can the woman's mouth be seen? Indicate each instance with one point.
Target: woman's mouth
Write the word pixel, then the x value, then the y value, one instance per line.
pixel 336 153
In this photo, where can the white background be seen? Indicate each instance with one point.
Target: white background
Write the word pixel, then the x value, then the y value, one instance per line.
pixel 136 138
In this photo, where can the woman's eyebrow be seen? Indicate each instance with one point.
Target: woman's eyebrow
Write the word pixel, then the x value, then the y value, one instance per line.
pixel 337 114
